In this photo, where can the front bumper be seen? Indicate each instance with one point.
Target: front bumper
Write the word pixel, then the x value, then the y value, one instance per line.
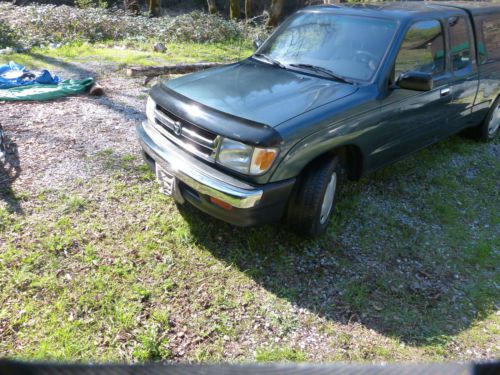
pixel 198 181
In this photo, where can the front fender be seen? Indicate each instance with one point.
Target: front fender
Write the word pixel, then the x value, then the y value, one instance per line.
pixel 346 122
pixel 311 148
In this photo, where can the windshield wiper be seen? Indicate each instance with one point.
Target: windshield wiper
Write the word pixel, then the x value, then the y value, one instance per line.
pixel 272 61
pixel 325 71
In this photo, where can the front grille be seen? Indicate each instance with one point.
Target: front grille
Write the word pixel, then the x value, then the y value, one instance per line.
pixel 189 136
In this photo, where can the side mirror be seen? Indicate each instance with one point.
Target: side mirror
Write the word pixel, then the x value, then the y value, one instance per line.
pixel 418 81
pixel 257 43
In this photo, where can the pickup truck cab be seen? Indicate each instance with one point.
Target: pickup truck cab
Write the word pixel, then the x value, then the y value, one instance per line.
pixel 334 92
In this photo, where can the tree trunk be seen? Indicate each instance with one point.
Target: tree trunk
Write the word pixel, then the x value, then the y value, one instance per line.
pixel 212 7
pixel 234 9
pixel 132 6
pixel 155 8
pixel 137 71
pixel 275 13
pixel 248 9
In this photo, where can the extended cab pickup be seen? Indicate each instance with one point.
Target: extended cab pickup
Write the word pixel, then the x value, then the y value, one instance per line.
pixel 335 91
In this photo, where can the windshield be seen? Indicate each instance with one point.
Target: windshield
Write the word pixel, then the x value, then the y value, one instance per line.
pixel 348 46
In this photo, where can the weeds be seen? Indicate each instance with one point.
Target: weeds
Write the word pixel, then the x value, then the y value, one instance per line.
pixel 45 24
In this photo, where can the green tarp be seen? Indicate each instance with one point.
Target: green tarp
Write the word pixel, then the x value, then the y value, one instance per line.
pixel 46 92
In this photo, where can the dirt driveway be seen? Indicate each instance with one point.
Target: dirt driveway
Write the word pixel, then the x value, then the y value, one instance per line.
pixel 55 139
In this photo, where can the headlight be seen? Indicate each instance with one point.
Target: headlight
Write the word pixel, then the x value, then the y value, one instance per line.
pixel 245 159
pixel 235 155
pixel 150 109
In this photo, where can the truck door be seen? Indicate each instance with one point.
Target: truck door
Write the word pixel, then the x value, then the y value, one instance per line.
pixel 412 118
pixel 465 73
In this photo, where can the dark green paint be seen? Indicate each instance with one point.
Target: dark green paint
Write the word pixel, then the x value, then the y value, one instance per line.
pixel 314 115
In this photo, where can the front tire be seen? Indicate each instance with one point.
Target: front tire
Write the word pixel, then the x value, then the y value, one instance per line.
pixel 311 206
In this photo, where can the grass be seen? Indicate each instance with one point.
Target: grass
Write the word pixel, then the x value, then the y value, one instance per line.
pixel 109 269
pixel 276 354
pixel 413 281
pixel 124 55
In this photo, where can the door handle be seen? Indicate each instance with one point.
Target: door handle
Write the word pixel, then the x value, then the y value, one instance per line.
pixel 445 92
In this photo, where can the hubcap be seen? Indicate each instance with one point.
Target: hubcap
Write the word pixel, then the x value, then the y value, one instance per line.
pixel 494 121
pixel 327 204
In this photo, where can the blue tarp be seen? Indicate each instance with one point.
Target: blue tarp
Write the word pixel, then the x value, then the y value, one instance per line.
pixel 15 75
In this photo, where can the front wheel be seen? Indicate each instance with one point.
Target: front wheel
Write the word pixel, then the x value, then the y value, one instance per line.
pixel 310 208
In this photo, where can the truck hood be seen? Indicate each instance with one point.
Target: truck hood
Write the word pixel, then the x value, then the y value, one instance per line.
pixel 259 92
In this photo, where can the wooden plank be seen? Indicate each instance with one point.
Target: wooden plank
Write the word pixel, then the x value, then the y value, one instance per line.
pixel 151 71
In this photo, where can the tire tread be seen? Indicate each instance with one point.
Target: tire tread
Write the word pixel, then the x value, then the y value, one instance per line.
pixel 302 216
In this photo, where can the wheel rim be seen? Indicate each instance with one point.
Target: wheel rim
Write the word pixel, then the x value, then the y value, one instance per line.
pixel 494 121
pixel 327 204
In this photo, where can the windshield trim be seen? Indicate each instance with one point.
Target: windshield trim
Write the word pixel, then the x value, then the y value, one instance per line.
pixel 334 11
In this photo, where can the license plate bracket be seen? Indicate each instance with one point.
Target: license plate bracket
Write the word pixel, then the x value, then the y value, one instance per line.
pixel 166 180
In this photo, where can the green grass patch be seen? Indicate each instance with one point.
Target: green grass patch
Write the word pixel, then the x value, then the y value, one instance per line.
pixel 123 55
pixel 113 270
pixel 276 354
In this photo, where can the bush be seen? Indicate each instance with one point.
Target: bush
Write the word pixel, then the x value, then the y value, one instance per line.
pixel 8 37
pixel 91 3
pixel 43 24
pixel 201 27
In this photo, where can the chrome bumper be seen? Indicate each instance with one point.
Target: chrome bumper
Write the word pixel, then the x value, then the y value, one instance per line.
pixel 199 176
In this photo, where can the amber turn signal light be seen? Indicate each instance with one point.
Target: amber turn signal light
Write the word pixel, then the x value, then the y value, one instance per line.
pixel 262 160
pixel 221 204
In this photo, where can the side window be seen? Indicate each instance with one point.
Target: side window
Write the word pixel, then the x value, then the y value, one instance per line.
pixel 491 35
pixel 460 43
pixel 422 49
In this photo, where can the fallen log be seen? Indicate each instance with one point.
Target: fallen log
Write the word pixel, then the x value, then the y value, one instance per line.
pixel 151 71
pixel 96 90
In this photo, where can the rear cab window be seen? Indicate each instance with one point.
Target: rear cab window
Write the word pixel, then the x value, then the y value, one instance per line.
pixel 488 30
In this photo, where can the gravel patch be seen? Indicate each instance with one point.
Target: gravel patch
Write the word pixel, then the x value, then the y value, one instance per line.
pixel 56 140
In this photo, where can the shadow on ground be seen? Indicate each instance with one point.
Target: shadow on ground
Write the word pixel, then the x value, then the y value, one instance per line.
pixel 77 70
pixel 403 286
pixel 10 169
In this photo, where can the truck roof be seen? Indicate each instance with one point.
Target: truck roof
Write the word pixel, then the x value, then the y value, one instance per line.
pixel 409 9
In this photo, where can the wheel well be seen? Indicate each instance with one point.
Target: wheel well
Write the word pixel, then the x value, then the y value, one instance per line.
pixel 351 159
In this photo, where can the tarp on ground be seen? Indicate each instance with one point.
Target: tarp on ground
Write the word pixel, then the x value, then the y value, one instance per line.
pixel 39 92
pixel 15 75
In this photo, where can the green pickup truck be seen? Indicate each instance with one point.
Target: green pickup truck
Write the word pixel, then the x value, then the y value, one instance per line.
pixel 335 92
